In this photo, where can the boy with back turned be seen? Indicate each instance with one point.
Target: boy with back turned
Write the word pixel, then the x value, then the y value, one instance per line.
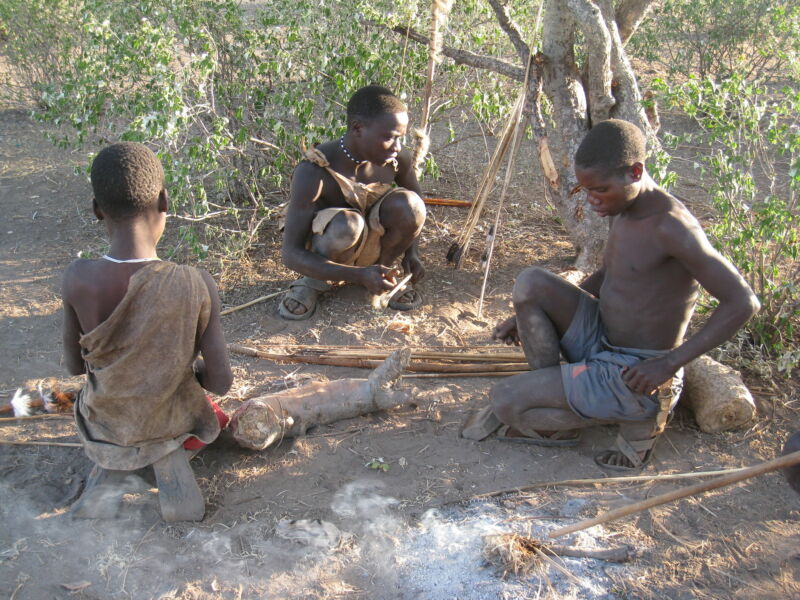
pixel 622 331
pixel 135 325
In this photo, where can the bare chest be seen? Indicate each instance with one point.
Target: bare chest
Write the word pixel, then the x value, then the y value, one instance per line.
pixel 632 251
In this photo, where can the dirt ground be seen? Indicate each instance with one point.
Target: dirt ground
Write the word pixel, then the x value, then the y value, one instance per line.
pixel 740 542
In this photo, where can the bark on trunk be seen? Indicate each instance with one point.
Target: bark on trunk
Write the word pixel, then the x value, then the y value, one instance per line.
pixel 606 89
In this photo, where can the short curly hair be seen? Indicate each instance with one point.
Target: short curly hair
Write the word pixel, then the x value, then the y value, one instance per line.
pixel 613 146
pixel 372 101
pixel 126 179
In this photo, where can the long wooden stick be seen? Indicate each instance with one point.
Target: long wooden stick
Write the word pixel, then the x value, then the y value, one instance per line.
pixel 754 471
pixel 618 554
pixel 460 247
pixel 495 232
pixel 33 417
pixel 447 202
pixel 228 311
pixel 362 363
pixel 64 444
pixel 461 374
pixel 376 354
pixel 465 357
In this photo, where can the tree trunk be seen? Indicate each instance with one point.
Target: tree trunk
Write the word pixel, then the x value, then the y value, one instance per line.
pixel 606 89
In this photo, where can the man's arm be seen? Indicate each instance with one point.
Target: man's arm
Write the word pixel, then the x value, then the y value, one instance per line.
pixel 407 178
pixel 213 371
pixel 71 332
pixel 683 239
pixel 594 282
pixel 307 188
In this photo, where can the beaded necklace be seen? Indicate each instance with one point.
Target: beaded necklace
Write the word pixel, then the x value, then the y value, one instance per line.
pixel 130 260
pixel 347 154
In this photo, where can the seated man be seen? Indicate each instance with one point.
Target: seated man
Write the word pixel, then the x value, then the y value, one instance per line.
pixel 135 326
pixel 355 208
pixel 622 331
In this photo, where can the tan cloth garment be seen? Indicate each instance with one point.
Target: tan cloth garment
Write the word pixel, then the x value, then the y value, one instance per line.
pixel 141 399
pixel 365 198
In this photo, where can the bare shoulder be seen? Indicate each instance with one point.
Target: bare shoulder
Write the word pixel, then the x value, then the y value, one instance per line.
pixel 79 276
pixel 307 172
pixel 681 236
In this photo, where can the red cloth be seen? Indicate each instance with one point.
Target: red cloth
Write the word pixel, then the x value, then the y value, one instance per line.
pixel 193 443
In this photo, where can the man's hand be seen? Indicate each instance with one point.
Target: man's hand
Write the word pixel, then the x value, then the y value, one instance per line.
pixel 645 377
pixel 412 264
pixel 377 279
pixel 506 332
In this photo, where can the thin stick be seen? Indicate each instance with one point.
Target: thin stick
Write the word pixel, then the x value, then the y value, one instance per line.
pixel 416 355
pixel 594 481
pixel 619 554
pixel 64 444
pixel 382 300
pixel 447 202
pixel 509 166
pixel 439 12
pixel 376 354
pixel 509 170
pixel 32 417
pixel 361 363
pixel 754 471
pixel 477 374
pixel 228 311
pixel 460 247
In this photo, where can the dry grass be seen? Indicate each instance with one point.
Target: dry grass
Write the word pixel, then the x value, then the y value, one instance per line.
pixel 512 553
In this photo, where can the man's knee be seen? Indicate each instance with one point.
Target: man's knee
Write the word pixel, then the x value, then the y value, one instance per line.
pixel 403 209
pixel 501 398
pixel 342 233
pixel 533 283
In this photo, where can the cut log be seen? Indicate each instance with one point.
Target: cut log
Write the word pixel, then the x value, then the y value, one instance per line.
pixel 262 421
pixel 717 396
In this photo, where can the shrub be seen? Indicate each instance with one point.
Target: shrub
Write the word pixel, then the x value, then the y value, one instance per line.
pixel 751 142
pixel 755 39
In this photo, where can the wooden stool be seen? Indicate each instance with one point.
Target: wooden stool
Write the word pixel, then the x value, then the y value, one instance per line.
pixel 179 496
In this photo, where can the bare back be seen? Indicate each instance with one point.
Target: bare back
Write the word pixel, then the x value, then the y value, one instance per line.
pixel 94 288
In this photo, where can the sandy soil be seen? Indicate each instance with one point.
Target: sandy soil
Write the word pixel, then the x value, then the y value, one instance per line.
pixel 733 543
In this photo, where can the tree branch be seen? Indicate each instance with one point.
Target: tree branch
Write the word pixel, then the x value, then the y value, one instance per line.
pixel 589 18
pixel 465 57
pixel 511 29
pixel 629 15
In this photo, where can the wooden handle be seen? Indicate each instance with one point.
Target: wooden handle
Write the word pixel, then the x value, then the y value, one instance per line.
pixel 765 467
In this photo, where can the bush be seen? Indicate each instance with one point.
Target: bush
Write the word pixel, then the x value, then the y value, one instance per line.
pixel 224 97
pixel 751 142
pixel 755 39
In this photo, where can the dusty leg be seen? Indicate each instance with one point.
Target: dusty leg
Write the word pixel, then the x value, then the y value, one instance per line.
pixel 102 495
pixel 402 217
pixel 533 404
pixel 178 493
pixel 338 243
pixel 544 305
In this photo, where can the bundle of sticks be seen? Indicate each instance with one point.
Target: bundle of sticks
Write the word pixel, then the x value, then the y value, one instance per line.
pixel 441 362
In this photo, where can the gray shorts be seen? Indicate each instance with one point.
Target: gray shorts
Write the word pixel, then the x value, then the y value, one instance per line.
pixel 593 376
